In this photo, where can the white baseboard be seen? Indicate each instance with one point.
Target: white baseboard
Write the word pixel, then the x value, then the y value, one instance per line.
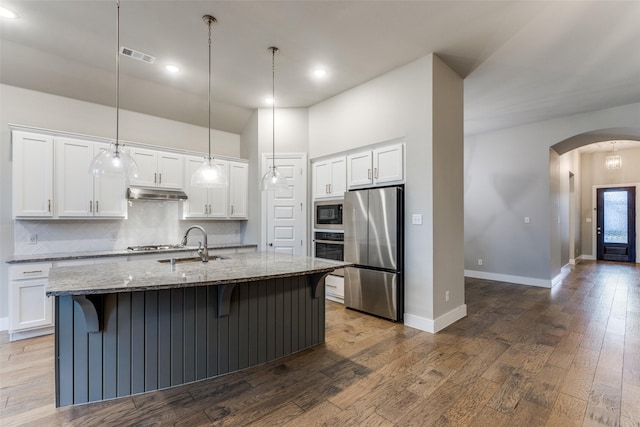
pixel 587 257
pixel 433 326
pixel 4 323
pixel 520 280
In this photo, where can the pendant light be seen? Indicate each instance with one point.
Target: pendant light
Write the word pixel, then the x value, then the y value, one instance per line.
pixel 614 161
pixel 273 180
pixel 209 174
pixel 115 161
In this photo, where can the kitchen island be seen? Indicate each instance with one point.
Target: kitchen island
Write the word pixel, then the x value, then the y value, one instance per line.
pixel 131 327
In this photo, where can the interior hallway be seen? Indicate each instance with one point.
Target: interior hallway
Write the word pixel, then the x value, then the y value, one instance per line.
pixel 523 356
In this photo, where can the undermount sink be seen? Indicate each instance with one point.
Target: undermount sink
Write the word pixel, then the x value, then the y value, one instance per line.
pixel 191 259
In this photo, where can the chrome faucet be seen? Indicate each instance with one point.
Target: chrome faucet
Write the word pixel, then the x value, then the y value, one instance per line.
pixel 203 252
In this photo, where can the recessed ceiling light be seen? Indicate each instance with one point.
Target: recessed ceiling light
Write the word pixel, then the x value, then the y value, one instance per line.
pixel 319 72
pixel 172 68
pixel 6 13
pixel 268 100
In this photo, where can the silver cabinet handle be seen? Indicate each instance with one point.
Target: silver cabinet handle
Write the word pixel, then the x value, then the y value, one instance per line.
pixel 160 178
pixel 90 205
pixel 206 210
pixel 369 173
pixel 49 204
pixel 330 188
pixel 231 209
pixel 97 206
pixel 155 177
pixel 375 173
pixel 32 272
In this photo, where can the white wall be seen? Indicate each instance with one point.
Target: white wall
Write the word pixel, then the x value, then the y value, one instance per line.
pixel 507 178
pixel 401 104
pixel 30 108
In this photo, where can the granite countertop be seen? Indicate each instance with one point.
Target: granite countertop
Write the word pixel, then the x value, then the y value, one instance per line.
pixel 66 256
pixel 153 275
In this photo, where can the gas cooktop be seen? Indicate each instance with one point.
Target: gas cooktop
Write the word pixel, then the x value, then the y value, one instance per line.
pixel 152 248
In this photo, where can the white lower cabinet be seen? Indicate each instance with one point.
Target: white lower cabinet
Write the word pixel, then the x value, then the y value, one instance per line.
pixel 334 288
pixel 30 310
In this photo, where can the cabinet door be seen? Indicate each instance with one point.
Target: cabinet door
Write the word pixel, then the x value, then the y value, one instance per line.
pixel 388 164
pixel 32 175
pixel 109 193
pixel 170 170
pixel 238 189
pixel 29 306
pixel 197 204
pixel 321 179
pixel 147 161
pixel 359 170
pixel 74 183
pixel 338 177
pixel 219 196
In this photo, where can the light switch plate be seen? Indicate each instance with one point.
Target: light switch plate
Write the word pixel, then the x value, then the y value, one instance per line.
pixel 416 219
pixel 527 220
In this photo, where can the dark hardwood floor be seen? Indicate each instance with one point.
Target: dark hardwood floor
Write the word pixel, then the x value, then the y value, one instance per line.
pixel 524 356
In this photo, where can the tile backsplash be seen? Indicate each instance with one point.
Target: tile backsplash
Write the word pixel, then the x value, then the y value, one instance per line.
pixel 149 222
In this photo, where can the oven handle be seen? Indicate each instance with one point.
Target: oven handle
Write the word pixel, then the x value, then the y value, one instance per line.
pixel 332 242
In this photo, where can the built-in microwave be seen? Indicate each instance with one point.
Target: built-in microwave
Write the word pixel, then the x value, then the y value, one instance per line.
pixel 328 214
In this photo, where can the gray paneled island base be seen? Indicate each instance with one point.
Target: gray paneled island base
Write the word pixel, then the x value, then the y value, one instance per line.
pixel 132 327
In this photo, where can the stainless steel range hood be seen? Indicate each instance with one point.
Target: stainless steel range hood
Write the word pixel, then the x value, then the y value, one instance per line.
pixel 142 193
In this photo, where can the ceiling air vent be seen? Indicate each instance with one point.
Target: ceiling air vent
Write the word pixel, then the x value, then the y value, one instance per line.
pixel 136 54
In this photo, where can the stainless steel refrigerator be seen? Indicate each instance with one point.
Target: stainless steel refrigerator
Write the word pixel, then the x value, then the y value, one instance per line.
pixel 373 241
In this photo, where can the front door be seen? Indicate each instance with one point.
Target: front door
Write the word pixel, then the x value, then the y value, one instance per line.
pixel 286 210
pixel 616 227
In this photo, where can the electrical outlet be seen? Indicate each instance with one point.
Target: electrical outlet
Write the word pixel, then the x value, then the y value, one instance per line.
pixel 33 239
pixel 479 261
pixel 527 220
pixel 446 296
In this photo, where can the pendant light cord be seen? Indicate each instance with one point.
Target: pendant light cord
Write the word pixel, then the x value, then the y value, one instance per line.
pixel 210 21
pixel 273 50
pixel 117 75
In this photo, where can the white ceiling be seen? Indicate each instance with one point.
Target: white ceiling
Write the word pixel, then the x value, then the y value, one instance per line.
pixel 523 61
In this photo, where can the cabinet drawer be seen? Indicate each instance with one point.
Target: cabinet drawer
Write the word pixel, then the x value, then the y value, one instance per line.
pixel 29 271
pixel 334 285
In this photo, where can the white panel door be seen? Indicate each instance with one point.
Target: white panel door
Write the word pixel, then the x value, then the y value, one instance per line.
pixel 32 175
pixel 286 212
pixel 32 308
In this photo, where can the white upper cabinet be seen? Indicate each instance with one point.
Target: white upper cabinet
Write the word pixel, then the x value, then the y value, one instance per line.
pixel 158 168
pixel 330 178
pixel 78 193
pixel 32 175
pixel 204 202
pixel 238 190
pixel 218 202
pixel 380 166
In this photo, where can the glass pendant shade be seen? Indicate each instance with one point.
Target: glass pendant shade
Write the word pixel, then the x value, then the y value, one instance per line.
pixel 209 174
pixel 114 162
pixel 273 180
pixel 613 162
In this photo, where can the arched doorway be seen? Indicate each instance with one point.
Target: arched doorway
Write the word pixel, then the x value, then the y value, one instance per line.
pixel 577 171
